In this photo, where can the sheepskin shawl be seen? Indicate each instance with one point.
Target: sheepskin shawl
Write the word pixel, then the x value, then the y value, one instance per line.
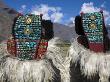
pixel 91 63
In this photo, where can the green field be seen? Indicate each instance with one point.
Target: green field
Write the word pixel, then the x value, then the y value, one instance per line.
pixel 64 47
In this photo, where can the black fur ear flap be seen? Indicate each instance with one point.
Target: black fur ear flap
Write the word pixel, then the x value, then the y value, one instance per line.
pixel 48 27
pixel 78 26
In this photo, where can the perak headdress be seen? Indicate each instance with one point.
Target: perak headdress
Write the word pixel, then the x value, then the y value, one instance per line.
pixel 92 29
pixel 30 36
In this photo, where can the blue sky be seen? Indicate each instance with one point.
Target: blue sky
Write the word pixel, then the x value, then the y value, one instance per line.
pixel 68 8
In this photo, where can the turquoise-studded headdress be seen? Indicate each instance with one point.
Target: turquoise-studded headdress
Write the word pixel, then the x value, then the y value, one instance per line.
pixel 30 35
pixel 92 28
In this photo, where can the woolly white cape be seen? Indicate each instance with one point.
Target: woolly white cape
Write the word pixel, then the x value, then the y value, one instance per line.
pixel 91 63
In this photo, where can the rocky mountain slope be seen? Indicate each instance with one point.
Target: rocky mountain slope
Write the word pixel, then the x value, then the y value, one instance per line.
pixel 64 32
pixel 6 20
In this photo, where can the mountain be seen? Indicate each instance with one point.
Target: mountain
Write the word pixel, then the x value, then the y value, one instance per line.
pixel 8 14
pixel 64 32
pixel 6 20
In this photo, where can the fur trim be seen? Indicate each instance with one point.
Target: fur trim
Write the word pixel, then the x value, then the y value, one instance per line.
pixel 28 71
pixel 91 63
pixel 55 54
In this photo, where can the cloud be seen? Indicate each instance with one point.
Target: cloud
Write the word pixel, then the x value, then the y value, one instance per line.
pixel 72 19
pixel 49 12
pixel 22 9
pixel 56 16
pixel 89 8
pixel 23 6
pixel 103 4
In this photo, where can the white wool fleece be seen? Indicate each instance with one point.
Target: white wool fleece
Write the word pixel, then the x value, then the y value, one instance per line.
pixel 91 63
pixel 55 53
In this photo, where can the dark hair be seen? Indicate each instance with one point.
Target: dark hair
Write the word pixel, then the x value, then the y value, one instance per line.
pixel 78 25
pixel 13 26
pixel 48 27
